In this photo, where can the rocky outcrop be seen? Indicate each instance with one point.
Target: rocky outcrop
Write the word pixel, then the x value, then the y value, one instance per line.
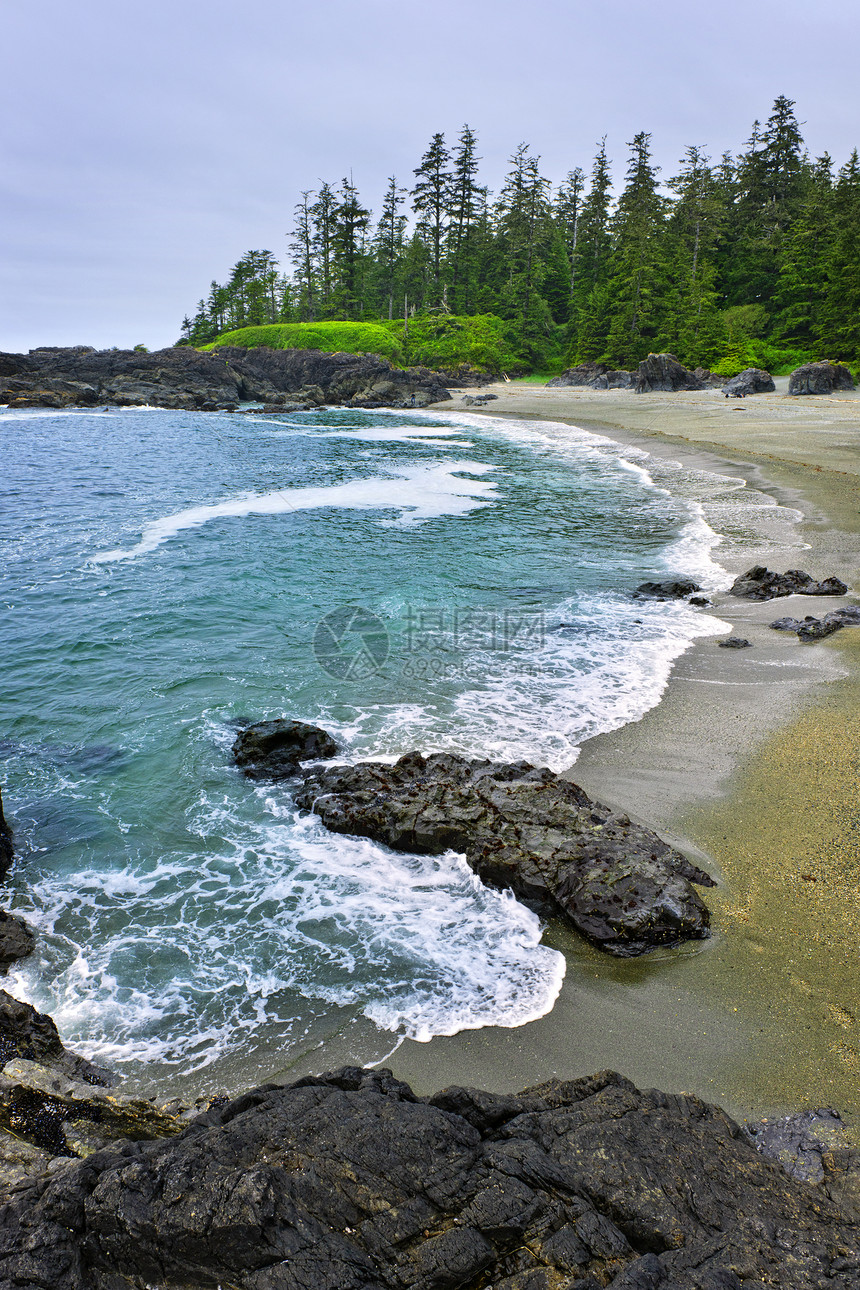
pixel 734 642
pixel 671 589
pixel 6 850
pixel 348 1181
pixel 663 372
pixel 16 939
pixel 275 749
pixel 524 829
pixel 760 583
pixel 183 378
pixel 707 377
pixel 597 376
pixel 752 380
pixel 31 1035
pixel 820 378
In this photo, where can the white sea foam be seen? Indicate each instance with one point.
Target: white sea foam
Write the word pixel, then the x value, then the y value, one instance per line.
pixel 417 492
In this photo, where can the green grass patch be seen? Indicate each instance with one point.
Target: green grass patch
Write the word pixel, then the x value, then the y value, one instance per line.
pixel 448 340
pixel 332 337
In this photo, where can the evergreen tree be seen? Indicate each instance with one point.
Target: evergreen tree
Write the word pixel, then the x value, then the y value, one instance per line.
pixel 693 326
pixel 388 243
pixel 351 221
pixel 302 250
pixel 431 200
pixel 638 268
pixel 806 249
pixel 568 209
pixel 322 214
pixel 467 201
pixel 589 303
pixel 837 326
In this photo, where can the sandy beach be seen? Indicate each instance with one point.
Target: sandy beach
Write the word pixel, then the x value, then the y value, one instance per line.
pixel 750 763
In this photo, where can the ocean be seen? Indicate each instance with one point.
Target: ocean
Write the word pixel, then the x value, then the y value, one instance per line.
pixel 440 581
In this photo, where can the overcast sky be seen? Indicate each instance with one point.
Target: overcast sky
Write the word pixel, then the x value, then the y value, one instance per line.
pixel 148 143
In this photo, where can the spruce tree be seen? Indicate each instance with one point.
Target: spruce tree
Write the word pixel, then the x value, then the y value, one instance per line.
pixel 589 304
pixel 638 270
pixel 467 201
pixel 431 198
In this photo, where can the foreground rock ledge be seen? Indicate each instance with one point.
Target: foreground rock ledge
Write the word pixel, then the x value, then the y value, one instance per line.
pixel 349 1181
pixel 525 829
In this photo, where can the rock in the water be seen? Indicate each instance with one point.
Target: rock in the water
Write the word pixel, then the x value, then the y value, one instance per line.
pixel 528 830
pixel 16 940
pixel 26 1033
pixel 672 589
pixel 734 642
pixel 752 380
pixel 348 1181
pixel 820 378
pixel 760 583
pixel 663 372
pixel 699 601
pixel 6 848
pixel 275 749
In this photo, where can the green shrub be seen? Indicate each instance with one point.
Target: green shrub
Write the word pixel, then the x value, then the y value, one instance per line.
pixel 447 341
pixel 332 337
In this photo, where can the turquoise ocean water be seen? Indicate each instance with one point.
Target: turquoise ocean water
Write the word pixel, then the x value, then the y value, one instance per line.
pixel 440 581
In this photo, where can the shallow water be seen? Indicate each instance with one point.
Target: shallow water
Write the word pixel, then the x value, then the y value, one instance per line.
pixel 436 581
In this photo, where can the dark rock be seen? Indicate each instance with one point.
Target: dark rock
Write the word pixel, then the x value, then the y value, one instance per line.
pixel 760 583
pixel 820 378
pixel 791 624
pixel 348 1181
pixel 584 374
pixel 525 829
pixel 275 749
pixel 817 629
pixel 16 940
pixel 672 589
pixel 699 601
pixel 6 848
pixel 734 642
pixel 800 1141
pixel 848 616
pixel 183 378
pixel 597 376
pixel 752 380
pixel 707 377
pixel 663 372
pixel 26 1033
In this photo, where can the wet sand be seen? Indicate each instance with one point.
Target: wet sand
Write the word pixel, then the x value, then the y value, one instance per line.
pixel 751 763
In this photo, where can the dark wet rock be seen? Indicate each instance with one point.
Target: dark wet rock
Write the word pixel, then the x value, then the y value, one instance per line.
pixel 752 380
pixel 6 847
pixel 800 1141
pixel 847 616
pixel 348 1181
pixel 185 379
pixel 26 1033
pixel 817 629
pixel 760 583
pixel 734 642
pixel 791 624
pixel 525 829
pixel 671 589
pixel 16 940
pixel 275 749
pixel 708 377
pixel 663 372
pixel 699 601
pixel 820 378
pixel 478 398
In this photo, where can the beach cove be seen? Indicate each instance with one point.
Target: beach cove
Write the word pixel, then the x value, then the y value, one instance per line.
pixel 750 761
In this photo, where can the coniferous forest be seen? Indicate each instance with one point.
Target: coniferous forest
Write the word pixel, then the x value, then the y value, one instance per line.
pixel 746 260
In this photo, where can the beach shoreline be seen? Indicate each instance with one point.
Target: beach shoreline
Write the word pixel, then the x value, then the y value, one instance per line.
pixel 748 764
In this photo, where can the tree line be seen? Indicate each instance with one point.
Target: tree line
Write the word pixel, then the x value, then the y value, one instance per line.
pixel 754 255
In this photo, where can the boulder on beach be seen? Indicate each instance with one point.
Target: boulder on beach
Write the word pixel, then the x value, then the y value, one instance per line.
pixel 820 378
pixel 811 628
pixel 597 376
pixel 734 642
pixel 527 830
pixel 350 1181
pixel 663 372
pixel 275 749
pixel 671 589
pixel 752 380
pixel 760 583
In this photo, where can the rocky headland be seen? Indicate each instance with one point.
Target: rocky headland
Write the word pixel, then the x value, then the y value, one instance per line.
pixel 280 379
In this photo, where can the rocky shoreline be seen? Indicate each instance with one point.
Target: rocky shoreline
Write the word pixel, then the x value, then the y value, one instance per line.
pixel 279 379
pixel 349 1181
